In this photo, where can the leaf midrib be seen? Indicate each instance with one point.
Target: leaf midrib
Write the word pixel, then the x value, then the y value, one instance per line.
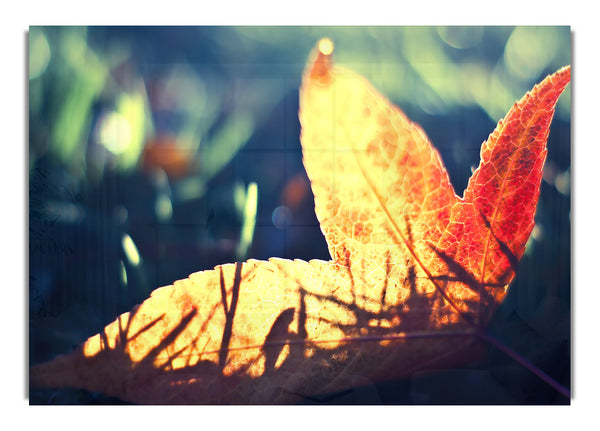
pixel 403 239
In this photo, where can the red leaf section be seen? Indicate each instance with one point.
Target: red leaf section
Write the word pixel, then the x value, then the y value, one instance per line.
pixel 506 186
pixel 491 226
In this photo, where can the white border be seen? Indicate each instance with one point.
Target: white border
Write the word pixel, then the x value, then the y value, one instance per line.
pixel 580 15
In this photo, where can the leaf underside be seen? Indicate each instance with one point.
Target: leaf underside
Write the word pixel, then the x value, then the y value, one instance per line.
pixel 415 272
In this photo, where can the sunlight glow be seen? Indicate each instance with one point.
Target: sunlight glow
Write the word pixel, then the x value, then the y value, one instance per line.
pixel 530 50
pixel 115 133
pixel 326 46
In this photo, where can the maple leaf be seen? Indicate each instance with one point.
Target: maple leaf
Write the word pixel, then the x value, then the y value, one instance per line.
pixel 416 271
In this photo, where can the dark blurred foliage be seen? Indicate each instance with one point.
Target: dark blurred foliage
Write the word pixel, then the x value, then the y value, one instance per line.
pixel 146 145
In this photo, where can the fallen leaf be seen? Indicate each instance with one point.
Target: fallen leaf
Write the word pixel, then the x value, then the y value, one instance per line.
pixel 415 274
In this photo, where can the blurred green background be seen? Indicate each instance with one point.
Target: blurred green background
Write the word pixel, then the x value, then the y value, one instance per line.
pixel 155 152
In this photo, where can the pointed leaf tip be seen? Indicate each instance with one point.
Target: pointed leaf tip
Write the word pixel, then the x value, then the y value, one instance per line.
pixel 322 61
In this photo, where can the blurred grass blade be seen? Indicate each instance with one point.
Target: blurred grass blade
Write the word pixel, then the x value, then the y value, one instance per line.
pixel 131 251
pixel 249 221
pixel 232 135
pixel 39 52
pixel 135 109
pixel 88 75
pixel 123 279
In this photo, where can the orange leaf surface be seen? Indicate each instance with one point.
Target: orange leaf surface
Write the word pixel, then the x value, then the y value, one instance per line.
pixel 416 270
